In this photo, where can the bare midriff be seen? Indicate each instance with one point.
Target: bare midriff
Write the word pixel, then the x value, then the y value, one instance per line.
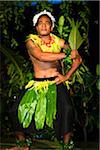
pixel 45 69
pixel 46 73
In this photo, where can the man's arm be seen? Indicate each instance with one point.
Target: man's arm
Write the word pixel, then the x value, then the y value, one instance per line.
pixel 36 52
pixel 77 60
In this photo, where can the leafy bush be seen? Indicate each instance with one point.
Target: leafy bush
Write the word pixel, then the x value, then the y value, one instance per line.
pixel 16 69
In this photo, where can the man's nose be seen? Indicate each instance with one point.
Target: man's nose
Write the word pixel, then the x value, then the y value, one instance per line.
pixel 43 25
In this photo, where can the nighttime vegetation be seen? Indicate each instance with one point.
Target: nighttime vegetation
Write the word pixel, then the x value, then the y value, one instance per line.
pixel 16 68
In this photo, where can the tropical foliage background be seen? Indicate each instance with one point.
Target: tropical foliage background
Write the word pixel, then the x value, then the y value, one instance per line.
pixel 16 68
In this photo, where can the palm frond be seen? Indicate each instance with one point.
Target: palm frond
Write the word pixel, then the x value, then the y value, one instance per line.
pixel 10 56
pixel 75 40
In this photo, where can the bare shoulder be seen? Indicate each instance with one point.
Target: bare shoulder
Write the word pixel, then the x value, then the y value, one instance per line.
pixel 62 43
pixel 33 49
pixel 31 45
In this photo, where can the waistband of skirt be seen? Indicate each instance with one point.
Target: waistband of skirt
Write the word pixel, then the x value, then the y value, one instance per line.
pixel 44 79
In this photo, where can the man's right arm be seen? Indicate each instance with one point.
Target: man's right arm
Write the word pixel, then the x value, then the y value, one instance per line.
pixel 36 52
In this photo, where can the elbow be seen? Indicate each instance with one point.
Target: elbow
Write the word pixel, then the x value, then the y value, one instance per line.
pixel 77 62
pixel 80 60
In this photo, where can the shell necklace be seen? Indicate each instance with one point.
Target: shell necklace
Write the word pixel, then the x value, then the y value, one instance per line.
pixel 48 44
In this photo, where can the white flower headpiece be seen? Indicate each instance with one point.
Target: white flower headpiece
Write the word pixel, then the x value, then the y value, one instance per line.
pixel 35 18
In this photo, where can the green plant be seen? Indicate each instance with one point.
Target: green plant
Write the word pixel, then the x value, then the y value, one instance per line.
pixel 81 77
pixel 16 69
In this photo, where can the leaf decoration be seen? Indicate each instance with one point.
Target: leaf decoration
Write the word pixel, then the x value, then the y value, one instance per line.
pixel 38 102
pixel 40 112
pixel 51 105
pixel 75 40
pixel 26 107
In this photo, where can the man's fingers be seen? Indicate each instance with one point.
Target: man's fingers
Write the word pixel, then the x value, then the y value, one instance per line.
pixel 57 79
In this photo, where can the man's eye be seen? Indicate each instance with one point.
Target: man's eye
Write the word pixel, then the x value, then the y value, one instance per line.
pixel 47 23
pixel 40 23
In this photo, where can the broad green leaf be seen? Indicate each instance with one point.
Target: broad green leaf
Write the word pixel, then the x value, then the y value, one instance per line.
pixel 61 21
pixel 27 120
pixel 40 112
pixel 51 105
pixel 25 106
pixel 33 106
pixel 23 114
pixel 75 39
pixel 60 25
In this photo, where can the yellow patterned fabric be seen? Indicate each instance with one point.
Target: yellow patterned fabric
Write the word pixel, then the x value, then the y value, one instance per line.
pixel 50 47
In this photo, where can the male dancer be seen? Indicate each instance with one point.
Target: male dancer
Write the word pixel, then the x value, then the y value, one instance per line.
pixel 44 52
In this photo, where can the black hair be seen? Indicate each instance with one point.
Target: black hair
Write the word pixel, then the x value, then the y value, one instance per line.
pixel 42 16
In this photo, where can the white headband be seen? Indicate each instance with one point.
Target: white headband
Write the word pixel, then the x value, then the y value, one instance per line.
pixel 36 17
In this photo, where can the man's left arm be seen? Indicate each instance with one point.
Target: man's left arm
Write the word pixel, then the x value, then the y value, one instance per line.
pixel 76 61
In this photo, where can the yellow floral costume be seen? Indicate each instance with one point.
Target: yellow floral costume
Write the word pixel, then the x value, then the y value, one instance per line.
pixel 53 46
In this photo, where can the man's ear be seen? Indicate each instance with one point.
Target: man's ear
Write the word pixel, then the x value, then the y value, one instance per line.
pixel 51 28
pixel 36 28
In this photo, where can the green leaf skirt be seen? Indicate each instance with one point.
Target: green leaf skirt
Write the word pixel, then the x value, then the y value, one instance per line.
pixel 39 101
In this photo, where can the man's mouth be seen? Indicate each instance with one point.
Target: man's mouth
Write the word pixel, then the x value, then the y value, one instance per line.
pixel 43 30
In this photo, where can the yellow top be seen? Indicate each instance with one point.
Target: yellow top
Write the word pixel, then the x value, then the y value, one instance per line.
pixel 52 46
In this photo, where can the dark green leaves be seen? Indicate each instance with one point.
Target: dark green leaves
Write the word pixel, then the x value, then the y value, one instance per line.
pixel 67 59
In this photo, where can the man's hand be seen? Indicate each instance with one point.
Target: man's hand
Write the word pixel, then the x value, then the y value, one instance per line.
pixel 60 78
pixel 77 60
pixel 74 54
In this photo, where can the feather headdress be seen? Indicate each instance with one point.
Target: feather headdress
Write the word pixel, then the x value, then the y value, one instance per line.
pixel 36 17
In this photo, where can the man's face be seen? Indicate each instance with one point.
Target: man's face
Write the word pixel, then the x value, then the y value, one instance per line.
pixel 44 26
